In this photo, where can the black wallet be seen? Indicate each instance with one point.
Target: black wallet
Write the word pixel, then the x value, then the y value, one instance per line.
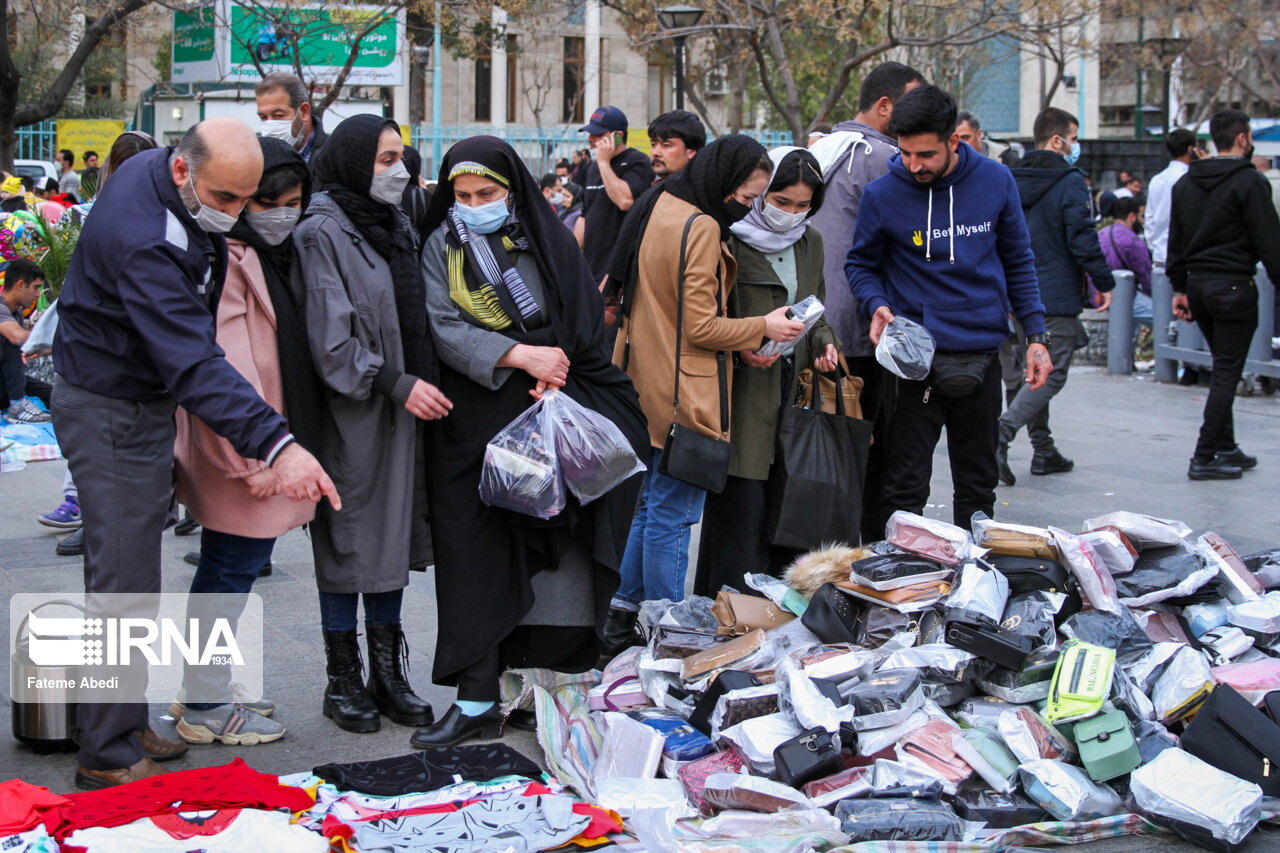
pixel 1003 648
pixel 811 755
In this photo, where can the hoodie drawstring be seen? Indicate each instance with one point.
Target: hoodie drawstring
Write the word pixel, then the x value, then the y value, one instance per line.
pixel 928 230
pixel 951 214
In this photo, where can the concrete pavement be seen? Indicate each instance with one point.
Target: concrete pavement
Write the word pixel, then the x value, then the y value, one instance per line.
pixel 1131 439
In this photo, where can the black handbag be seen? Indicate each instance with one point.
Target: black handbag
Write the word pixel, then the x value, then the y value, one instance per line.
pixel 726 682
pixel 1003 648
pixel 688 455
pixel 1232 735
pixel 958 374
pixel 1028 574
pixel 815 482
pixel 806 757
pixel 834 617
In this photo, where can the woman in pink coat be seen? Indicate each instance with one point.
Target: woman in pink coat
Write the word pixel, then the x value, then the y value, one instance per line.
pixel 238 501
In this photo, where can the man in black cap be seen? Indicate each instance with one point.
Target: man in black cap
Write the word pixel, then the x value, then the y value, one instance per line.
pixel 618 174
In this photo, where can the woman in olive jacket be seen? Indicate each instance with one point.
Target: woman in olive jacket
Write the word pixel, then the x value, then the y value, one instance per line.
pixel 779 263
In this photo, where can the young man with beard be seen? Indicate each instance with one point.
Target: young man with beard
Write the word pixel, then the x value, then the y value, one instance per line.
pixel 674 138
pixel 941 240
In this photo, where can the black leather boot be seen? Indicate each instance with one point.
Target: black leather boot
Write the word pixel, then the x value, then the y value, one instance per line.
pixel 346 701
pixel 388 652
pixel 620 634
pixel 1002 455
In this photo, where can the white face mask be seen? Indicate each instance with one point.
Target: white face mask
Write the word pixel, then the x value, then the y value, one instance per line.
pixel 594 155
pixel 210 219
pixel 281 129
pixel 779 220
pixel 274 225
pixel 557 199
pixel 388 187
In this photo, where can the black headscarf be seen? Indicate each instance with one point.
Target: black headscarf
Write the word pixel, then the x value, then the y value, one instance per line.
pixel 415 200
pixel 710 177
pixel 344 170
pixel 301 386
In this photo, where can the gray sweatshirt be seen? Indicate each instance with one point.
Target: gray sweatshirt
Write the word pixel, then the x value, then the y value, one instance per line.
pixel 855 165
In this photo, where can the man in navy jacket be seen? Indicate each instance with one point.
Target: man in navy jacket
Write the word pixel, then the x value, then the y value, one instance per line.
pixel 1064 240
pixel 941 241
pixel 135 339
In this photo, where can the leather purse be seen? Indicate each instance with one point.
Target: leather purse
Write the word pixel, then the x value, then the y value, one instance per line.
pixel 917 596
pixel 694 775
pixel 810 383
pixel 725 682
pixel 722 656
pixel 673 642
pixel 688 455
pixel 738 613
pixel 806 757
pixel 834 617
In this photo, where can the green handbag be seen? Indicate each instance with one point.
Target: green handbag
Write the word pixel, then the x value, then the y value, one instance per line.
pixel 1081 681
pixel 1107 746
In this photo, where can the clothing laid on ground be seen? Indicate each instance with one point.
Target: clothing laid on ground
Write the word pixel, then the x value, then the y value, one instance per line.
pixel 428 769
pixel 1125 250
pixel 220 831
pixel 526 283
pixel 974 267
pixel 1055 200
pixel 1160 209
pixel 23 805
pixel 34 841
pixel 603 218
pixel 231 786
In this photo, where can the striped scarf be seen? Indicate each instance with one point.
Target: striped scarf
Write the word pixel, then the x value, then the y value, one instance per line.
pixel 494 294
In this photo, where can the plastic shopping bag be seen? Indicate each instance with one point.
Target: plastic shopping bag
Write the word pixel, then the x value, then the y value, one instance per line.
pixel 593 453
pixel 906 349
pixel 521 472
pixel 41 337
pixel 808 311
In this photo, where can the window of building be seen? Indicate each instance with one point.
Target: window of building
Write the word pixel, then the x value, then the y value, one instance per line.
pixel 574 78
pixel 659 85
pixel 484 84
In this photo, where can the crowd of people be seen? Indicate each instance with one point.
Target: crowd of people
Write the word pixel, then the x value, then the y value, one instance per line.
pixel 309 335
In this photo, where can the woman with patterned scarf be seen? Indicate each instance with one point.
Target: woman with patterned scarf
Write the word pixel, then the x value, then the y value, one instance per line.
pixel 514 310
pixel 358 278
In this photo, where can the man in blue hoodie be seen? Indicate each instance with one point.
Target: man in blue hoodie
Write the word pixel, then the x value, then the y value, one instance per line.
pixel 1065 242
pixel 941 240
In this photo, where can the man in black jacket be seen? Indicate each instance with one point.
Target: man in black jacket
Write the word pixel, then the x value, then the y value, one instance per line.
pixel 1223 223
pixel 1055 201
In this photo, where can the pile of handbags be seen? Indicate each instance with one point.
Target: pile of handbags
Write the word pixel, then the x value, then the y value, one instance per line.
pixel 949 684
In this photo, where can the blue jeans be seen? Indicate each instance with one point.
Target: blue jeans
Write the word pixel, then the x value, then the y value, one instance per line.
pixel 1141 308
pixel 229 565
pixel 338 609
pixel 657 554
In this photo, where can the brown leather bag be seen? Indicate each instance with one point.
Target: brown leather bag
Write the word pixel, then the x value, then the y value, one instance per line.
pixel 850 388
pixel 738 613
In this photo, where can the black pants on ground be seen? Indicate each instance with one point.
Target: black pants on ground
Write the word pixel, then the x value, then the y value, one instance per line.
pixel 878 389
pixel 121 455
pixel 972 429
pixel 14 381
pixel 1227 314
pixel 735 538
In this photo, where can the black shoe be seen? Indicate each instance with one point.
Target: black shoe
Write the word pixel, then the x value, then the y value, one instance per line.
pixel 525 721
pixel 1237 458
pixel 457 727
pixel 1190 376
pixel 1002 454
pixel 192 558
pixel 346 700
pixel 72 546
pixel 388 653
pixel 265 572
pixel 1051 463
pixel 187 526
pixel 1213 470
pixel 620 634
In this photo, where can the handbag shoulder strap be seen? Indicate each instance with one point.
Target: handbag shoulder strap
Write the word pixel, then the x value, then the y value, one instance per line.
pixel 720 356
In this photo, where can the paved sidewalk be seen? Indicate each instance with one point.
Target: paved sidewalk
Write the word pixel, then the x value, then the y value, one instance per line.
pixel 1131 439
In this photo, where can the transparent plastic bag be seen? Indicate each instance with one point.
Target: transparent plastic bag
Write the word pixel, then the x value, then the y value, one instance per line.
pixel 41 335
pixel 1163 573
pixel 1030 737
pixel 1001 537
pixel 981 592
pixel 906 349
pixel 886 698
pixel 693 613
pixel 751 793
pixel 895 779
pixel 1119 631
pixel 1143 530
pixel 1253 680
pixel 521 472
pixel 1112 551
pixel 631 750
pixel 1178 786
pixel 926 820
pixel 1184 684
pixel 629 797
pixel 593 453
pixel 1033 614
pixel 929 538
pixel 1088 569
pixel 1067 792
pixel 986 753
pixel 757 738
pixel 808 311
pixel 1261 616
pixel 800 699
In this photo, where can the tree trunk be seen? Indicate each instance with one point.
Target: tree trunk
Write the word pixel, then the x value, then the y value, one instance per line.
pixel 10 80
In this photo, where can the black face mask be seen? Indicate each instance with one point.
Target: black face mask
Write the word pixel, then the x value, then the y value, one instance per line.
pixel 736 210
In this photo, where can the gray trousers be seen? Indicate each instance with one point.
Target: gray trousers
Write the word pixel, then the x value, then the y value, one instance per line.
pixel 1031 408
pixel 120 453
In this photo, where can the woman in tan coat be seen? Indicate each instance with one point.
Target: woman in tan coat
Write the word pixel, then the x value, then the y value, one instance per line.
pixel 717 188
pixel 238 501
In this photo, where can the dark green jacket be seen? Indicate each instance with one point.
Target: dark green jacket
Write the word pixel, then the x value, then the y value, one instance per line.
pixel 757 393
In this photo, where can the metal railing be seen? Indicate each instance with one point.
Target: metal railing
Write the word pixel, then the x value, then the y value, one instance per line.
pixel 37 141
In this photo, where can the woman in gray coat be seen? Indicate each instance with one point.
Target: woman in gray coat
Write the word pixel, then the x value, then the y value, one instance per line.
pixel 358 276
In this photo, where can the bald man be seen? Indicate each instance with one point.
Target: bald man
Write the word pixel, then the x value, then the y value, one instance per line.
pixel 136 339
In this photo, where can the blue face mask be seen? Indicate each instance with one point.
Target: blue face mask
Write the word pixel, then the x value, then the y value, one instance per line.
pixel 484 218
pixel 1074 155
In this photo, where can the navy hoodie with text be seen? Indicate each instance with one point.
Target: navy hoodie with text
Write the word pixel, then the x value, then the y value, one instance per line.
pixel 954 257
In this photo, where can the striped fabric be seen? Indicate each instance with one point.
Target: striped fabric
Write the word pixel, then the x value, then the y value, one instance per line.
pixel 484 302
